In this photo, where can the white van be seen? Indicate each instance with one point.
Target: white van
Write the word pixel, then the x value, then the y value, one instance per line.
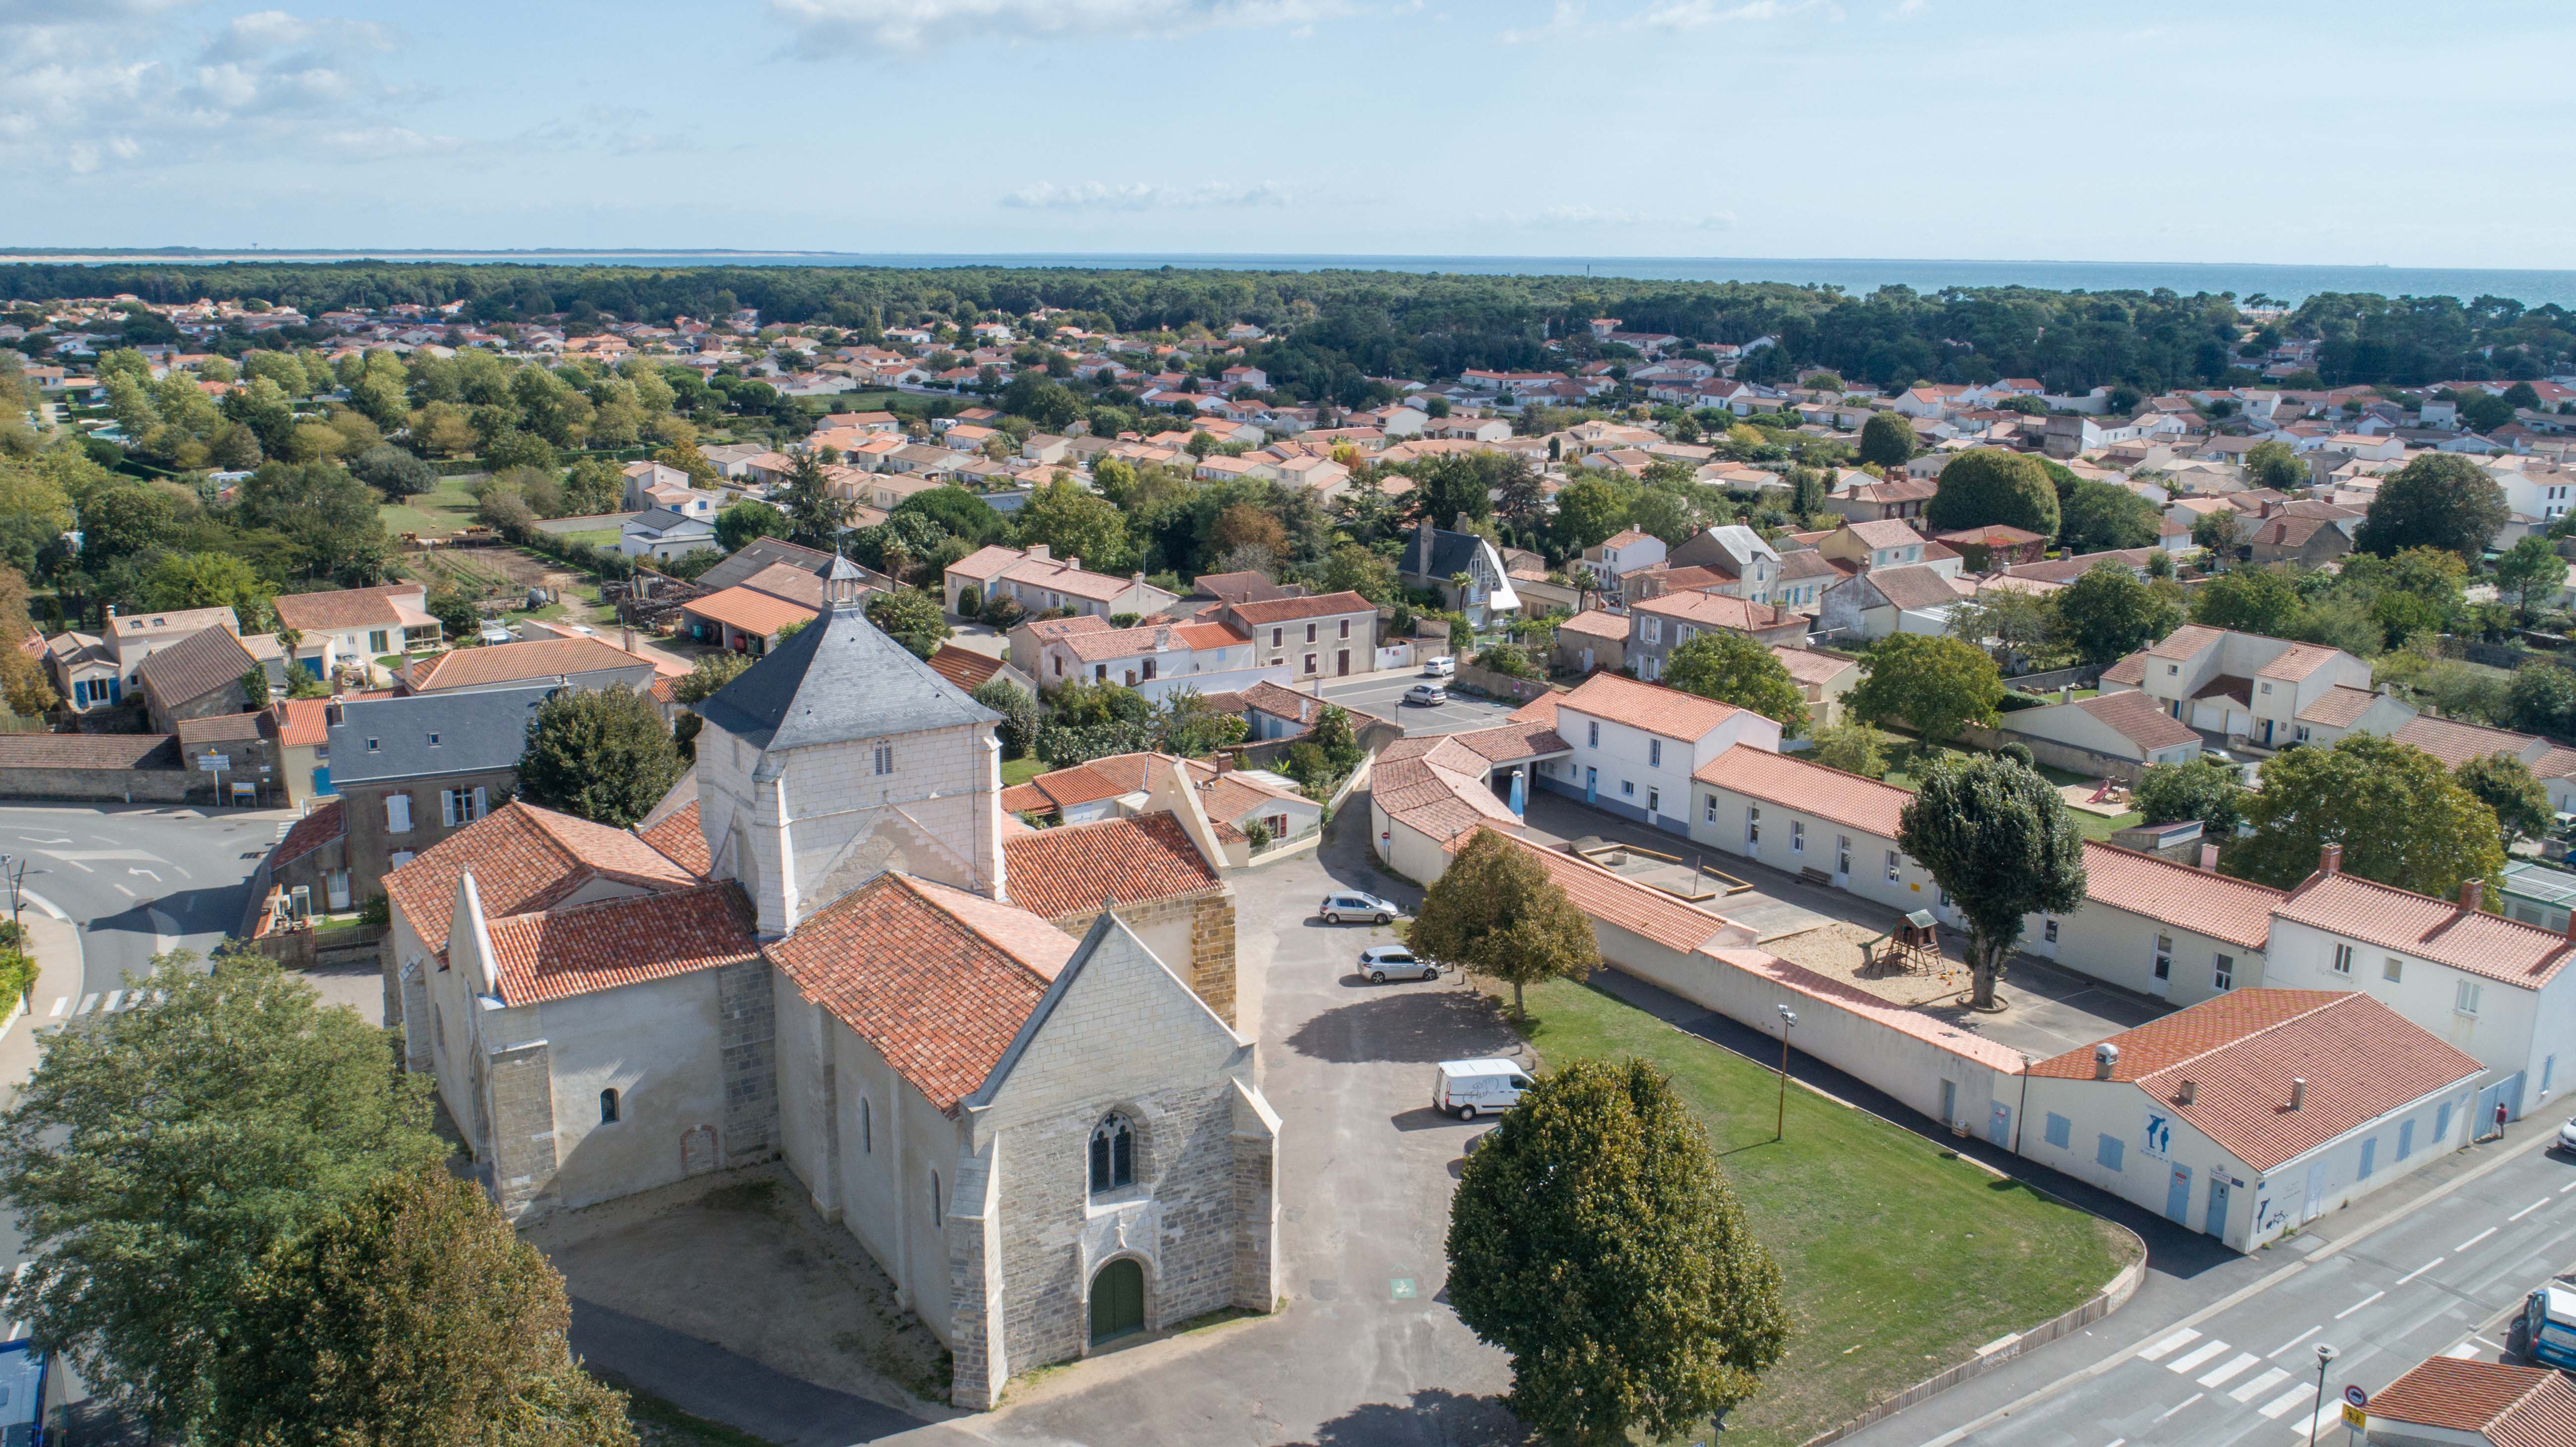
pixel 1469 1088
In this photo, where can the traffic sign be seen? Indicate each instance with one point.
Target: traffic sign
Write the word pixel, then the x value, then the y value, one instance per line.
pixel 2353 1393
pixel 2355 1418
pixel 214 763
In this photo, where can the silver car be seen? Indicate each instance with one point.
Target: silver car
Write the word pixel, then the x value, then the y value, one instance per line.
pixel 1395 962
pixel 1354 905
pixel 1426 693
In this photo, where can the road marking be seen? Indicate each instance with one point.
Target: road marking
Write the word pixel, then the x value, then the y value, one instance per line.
pixel 112 997
pixel 2420 1270
pixel 45 839
pixel 76 864
pixel 2570 1186
pixel 156 879
pixel 2527 1210
pixel 2227 1373
pixel 2465 1351
pixel 129 894
pixel 61 1002
pixel 2482 1341
pixel 2178 1406
pixel 2257 1386
pixel 86 1001
pixel 2162 1348
pixel 2474 1240
pixel 2287 1400
pixel 2294 1341
pixel 2315 1426
pixel 2195 1356
pixel 2358 1305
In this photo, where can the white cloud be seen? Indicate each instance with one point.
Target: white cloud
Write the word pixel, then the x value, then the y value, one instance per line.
pixel 1145 196
pixel 840 27
pixel 1701 14
pixel 1717 221
pixel 1907 9
pixel 1564 20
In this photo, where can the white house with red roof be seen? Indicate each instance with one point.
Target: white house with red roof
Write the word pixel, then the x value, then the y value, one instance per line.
pixel 1632 747
pixel 2223 682
pixel 1041 583
pixel 1157 659
pixel 2497 988
pixel 815 951
pixel 2448 1401
pixel 2248 1115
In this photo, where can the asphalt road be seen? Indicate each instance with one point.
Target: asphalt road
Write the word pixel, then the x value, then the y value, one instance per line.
pixel 1383 694
pixel 2386 1284
pixel 137 880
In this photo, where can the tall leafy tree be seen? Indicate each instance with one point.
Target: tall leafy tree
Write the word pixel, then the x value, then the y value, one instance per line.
pixel 2108 613
pixel 912 618
pixel 601 754
pixel 2275 465
pixel 1495 912
pixel 2505 784
pixel 2250 600
pixel 412 1316
pixel 208 580
pixel 1887 439
pixel 1589 510
pixel 156 1158
pixel 2530 572
pixel 1936 686
pixel 1999 841
pixel 1987 485
pixel 748 519
pixel 1731 668
pixel 2399 815
pixel 815 512
pixel 2209 790
pixel 2440 500
pixel 2100 516
pixel 2543 700
pixel 1594 1238
pixel 1077 524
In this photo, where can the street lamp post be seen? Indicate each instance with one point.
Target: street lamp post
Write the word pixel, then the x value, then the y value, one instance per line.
pixel 1780 1121
pixel 2325 1354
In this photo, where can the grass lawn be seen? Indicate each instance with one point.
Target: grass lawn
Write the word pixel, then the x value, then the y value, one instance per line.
pixel 443 511
pixel 1021 770
pixel 1906 758
pixel 1898 1260
pixel 596 537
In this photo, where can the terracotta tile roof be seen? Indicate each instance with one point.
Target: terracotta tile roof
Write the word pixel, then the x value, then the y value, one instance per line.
pixel 1059 575
pixel 302 722
pixel 2558 763
pixel 1281 702
pixel 2228 685
pixel 938 981
pixel 2297 661
pixel 524 858
pixel 1047 630
pixel 1595 623
pixel 2511 1406
pixel 311 832
pixel 2235 910
pixel 2131 670
pixel 750 610
pixel 1992 535
pixel 170 623
pixel 794 582
pixel 1150 638
pixel 1656 709
pixel 680 839
pixel 2360 1059
pixel 1081 784
pixel 1512 742
pixel 2338 706
pixel 195 666
pixel 964 667
pixel 1284 610
pixel 1059 872
pixel 88 751
pixel 1810 788
pixel 2430 929
pixel 1811 667
pixel 1888 533
pixel 1715 610
pixel 1026 799
pixel 2067 570
pixel 560 953
pixel 2135 717
pixel 1915 585
pixel 2455 743
pixel 532 661
pixel 1541 709
pixel 348 608
pixel 2186 641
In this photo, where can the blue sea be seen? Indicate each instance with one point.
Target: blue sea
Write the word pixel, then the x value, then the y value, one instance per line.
pixel 1854 274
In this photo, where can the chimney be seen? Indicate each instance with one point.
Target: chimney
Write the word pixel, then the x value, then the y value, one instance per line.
pixel 2209 857
pixel 2571 928
pixel 2473 893
pixel 2106 1058
pixel 336 713
pixel 2066 693
pixel 2189 1091
pixel 1038 552
pixel 2330 859
pixel 1074 563
pixel 2298 1091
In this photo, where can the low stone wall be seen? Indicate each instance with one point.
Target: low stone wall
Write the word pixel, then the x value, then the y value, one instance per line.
pixel 107 786
pixel 2056 755
pixel 1472 679
pixel 302 947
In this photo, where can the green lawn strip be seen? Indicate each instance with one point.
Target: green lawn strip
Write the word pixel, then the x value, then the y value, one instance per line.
pixel 1021 770
pixel 440 512
pixel 1898 1259
pixel 1907 759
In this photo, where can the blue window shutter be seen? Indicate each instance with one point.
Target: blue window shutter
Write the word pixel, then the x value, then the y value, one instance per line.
pixel 2108 1152
pixel 2060 1130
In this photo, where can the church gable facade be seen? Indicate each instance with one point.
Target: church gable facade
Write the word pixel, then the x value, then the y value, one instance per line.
pixel 1044 1141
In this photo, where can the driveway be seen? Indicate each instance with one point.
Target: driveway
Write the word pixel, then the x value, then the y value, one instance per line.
pixel 1364 1349
pixel 1383 694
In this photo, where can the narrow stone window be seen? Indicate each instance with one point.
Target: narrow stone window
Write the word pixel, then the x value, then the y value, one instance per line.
pixel 1113 1155
pixel 608 1107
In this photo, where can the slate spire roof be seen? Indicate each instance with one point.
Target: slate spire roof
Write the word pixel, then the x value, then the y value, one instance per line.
pixel 838 679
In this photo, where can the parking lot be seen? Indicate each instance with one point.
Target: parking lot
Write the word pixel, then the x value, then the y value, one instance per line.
pixel 1383 694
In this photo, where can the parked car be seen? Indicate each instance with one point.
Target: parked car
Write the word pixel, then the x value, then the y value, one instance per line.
pixel 1443 666
pixel 1395 962
pixel 1354 905
pixel 1469 1088
pixel 2567 1138
pixel 1426 693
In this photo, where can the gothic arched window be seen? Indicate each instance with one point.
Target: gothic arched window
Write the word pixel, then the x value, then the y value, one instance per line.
pixel 1113 1154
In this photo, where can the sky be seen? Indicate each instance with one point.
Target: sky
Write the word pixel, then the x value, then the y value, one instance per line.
pixel 2287 132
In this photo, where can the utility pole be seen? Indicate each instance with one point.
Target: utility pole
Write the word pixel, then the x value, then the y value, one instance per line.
pixel 2325 1354
pixel 1780 1121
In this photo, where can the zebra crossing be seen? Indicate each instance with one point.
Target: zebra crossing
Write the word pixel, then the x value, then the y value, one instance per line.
pixel 95 1004
pixel 2224 1364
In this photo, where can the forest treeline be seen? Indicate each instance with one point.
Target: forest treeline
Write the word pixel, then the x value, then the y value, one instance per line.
pixel 1337 328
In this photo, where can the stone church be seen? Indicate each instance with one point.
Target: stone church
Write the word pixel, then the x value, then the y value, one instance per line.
pixel 811 952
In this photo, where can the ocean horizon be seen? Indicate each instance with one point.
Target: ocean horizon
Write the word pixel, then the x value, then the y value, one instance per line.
pixel 1859 275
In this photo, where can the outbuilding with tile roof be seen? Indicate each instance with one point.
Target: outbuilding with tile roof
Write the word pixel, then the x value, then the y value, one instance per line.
pixel 2246 1116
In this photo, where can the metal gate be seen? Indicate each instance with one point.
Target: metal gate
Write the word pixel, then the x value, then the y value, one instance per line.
pixel 2508 1091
